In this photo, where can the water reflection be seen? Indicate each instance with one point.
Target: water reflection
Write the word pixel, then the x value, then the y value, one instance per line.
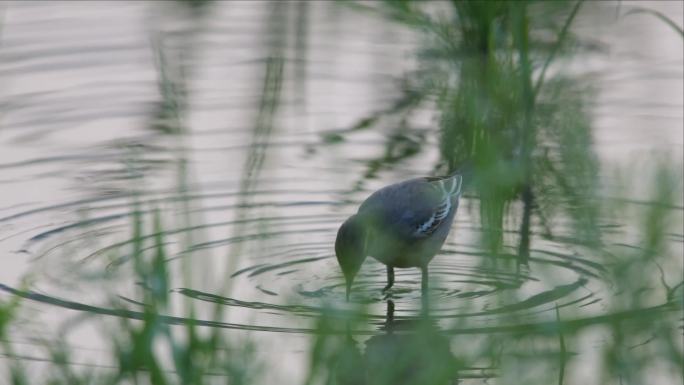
pixel 405 352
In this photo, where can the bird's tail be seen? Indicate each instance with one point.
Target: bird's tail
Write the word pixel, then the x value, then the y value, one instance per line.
pixel 452 184
pixel 463 175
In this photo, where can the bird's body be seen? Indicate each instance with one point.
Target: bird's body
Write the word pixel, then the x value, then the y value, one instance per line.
pixel 410 230
pixel 401 225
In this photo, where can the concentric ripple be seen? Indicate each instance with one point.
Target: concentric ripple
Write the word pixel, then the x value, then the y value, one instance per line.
pixel 284 272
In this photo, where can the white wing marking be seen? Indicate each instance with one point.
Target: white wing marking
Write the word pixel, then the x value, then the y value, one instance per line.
pixel 448 188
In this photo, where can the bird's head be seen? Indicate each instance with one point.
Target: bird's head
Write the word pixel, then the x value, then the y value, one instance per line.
pixel 351 248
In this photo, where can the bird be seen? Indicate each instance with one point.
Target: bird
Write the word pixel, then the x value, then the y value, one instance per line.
pixel 402 225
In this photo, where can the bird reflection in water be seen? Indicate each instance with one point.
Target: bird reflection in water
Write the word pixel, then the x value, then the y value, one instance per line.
pixel 408 352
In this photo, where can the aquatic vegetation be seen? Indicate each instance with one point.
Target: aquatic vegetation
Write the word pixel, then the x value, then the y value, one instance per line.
pixel 501 111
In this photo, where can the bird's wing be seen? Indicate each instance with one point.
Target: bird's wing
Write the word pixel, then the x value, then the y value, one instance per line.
pixel 448 188
pixel 414 208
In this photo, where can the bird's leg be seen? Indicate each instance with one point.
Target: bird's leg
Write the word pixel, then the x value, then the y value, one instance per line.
pixel 390 278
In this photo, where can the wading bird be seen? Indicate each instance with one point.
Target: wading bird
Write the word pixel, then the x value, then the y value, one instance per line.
pixel 401 225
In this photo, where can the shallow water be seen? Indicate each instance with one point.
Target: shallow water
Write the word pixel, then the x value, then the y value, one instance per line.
pixel 81 143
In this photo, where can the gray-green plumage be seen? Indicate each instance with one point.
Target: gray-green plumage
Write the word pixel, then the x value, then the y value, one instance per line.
pixel 401 225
